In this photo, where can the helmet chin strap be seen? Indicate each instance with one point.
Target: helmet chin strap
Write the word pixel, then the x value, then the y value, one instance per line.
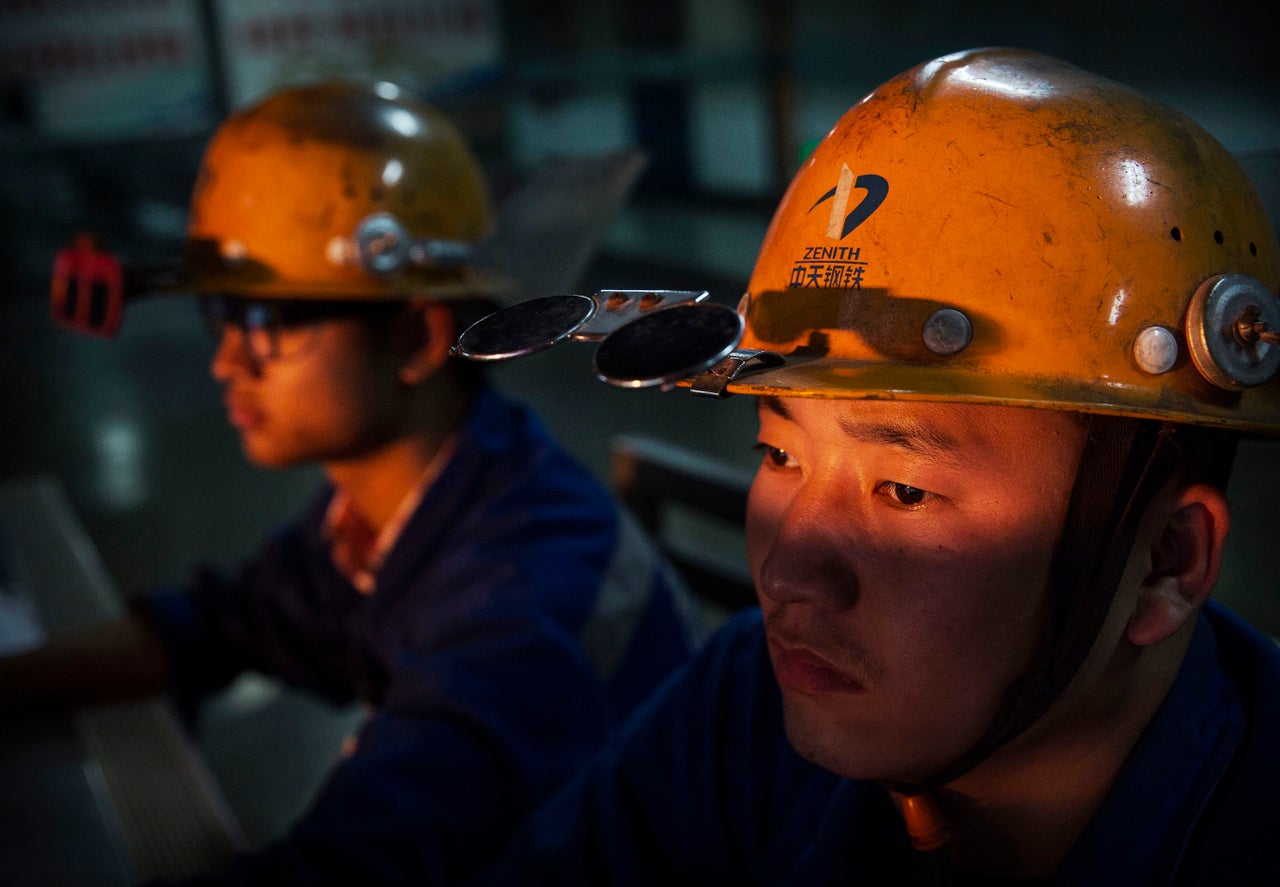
pixel 1124 464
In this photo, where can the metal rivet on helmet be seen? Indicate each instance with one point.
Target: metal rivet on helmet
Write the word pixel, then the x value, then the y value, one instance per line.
pixel 947 332
pixel 232 251
pixel 1229 331
pixel 383 243
pixel 1155 349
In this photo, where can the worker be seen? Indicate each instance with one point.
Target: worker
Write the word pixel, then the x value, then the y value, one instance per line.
pixel 1006 328
pixel 458 571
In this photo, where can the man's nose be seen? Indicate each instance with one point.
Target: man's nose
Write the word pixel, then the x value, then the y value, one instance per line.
pixel 232 355
pixel 810 553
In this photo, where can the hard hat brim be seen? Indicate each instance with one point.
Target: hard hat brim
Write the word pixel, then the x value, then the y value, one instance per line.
pixel 869 380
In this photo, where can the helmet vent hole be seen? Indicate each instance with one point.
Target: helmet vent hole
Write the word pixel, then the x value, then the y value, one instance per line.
pixel 1253 249
pixel 1217 237
pixel 1176 233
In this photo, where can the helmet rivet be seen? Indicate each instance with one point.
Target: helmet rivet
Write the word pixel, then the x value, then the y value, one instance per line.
pixel 1156 350
pixel 947 332
pixel 233 251
pixel 341 251
pixel 1229 331
pixel 383 243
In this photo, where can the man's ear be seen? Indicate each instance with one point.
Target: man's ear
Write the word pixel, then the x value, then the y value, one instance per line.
pixel 1185 558
pixel 433 334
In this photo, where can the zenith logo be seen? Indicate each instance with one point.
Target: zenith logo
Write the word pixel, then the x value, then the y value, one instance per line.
pixel 840 222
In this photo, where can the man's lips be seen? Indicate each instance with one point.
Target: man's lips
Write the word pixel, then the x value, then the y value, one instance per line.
pixel 798 668
pixel 241 412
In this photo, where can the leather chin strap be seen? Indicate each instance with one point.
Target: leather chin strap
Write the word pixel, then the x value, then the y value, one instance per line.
pixel 1125 462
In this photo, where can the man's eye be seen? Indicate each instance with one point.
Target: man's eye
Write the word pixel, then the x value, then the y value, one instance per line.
pixel 776 457
pixel 904 494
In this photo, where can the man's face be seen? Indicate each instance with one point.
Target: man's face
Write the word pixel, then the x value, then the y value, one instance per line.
pixel 330 394
pixel 900 552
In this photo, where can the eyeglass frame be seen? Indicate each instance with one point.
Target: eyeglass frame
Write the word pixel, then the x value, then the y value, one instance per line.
pixel 262 321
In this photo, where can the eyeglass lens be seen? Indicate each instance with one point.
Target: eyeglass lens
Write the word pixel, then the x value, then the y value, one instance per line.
pixel 259 322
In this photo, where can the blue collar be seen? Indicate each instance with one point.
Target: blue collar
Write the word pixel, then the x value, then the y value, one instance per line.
pixel 1141 830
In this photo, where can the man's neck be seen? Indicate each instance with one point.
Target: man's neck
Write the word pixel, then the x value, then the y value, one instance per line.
pixel 378 483
pixel 1020 812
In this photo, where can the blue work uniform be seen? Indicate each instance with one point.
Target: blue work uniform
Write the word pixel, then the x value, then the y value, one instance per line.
pixel 703 788
pixel 517 619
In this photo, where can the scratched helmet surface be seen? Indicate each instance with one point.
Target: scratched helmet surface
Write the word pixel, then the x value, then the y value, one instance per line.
pixel 285 183
pixel 997 226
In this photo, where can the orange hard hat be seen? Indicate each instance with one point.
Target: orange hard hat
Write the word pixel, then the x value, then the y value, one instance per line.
pixel 997 226
pixel 338 190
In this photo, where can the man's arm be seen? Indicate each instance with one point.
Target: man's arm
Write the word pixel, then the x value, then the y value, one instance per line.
pixel 119 659
pixel 470 739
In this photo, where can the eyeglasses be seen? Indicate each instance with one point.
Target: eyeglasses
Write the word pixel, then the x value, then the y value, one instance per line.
pixel 276 329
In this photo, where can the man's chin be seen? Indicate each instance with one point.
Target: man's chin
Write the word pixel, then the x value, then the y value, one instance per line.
pixel 848 752
pixel 823 743
pixel 260 458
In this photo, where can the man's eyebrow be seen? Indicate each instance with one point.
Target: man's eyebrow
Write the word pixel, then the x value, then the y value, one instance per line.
pixel 775 406
pixel 918 438
pixel 914 437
